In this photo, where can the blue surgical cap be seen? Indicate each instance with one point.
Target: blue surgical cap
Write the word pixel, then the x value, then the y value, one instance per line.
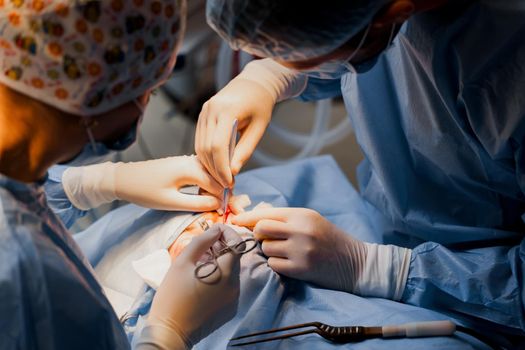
pixel 290 30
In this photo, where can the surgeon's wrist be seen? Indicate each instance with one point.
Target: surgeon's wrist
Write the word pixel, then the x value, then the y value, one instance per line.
pixel 280 82
pixel 90 186
pixel 158 336
pixel 385 271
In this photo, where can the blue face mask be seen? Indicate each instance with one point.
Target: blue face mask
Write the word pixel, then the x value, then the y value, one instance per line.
pixel 336 68
pixel 98 152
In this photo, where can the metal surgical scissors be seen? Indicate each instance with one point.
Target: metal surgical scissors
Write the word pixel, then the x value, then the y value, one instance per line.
pixel 206 268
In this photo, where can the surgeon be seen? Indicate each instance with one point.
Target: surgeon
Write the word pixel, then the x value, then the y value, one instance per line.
pixel 434 90
pixel 76 73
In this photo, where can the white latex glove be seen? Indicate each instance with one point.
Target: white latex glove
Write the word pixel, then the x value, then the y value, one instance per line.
pixel 301 244
pixel 249 98
pixel 186 309
pixel 152 183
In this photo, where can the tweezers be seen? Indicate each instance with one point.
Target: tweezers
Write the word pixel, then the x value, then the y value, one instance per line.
pixel 350 334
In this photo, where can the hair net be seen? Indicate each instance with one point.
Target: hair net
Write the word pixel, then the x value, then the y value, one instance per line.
pixel 88 57
pixel 289 30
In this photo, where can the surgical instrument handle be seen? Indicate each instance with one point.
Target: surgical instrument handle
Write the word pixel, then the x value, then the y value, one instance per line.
pixel 419 329
pixel 348 334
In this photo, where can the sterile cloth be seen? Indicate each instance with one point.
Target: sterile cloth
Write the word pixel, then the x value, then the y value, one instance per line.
pixel 117 269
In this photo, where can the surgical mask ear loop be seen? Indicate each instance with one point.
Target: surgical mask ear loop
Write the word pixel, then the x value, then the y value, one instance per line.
pixel 391 37
pixel 142 144
pixel 349 65
pixel 140 107
pixel 88 124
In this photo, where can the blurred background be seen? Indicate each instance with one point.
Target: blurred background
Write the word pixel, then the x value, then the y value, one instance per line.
pixel 204 65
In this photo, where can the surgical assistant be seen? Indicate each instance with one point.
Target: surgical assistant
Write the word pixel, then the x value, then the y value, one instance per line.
pixel 75 78
pixel 434 90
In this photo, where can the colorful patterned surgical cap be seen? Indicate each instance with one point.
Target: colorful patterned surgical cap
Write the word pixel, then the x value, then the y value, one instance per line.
pixel 290 30
pixel 88 57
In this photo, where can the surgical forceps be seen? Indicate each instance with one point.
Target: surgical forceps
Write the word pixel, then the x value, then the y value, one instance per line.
pixel 351 334
pixel 207 268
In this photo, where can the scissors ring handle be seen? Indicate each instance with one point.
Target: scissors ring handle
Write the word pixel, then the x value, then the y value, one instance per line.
pixel 205 269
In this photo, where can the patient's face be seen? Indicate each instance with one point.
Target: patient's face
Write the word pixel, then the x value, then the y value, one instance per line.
pixel 237 204
pixel 192 231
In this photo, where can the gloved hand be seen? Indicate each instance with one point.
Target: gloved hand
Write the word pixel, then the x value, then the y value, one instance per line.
pixel 152 183
pixel 186 309
pixel 249 98
pixel 302 244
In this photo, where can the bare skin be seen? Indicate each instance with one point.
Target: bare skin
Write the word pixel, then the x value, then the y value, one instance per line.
pixel 236 205
pixel 34 136
pixel 191 232
pixel 395 12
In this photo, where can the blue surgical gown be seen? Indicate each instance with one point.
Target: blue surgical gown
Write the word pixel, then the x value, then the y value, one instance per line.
pixel 57 198
pixel 441 122
pixel 49 297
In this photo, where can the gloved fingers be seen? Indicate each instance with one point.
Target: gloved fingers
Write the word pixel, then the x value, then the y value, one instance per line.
pixel 196 174
pixel 211 129
pixel 262 205
pixel 200 244
pixel 220 152
pixel 271 229
pixel 216 147
pixel 200 137
pixel 250 137
pixel 206 126
pixel 251 218
pixel 229 266
pixel 238 203
pixel 229 235
pixel 282 266
pixel 190 202
pixel 229 262
pixel 278 248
